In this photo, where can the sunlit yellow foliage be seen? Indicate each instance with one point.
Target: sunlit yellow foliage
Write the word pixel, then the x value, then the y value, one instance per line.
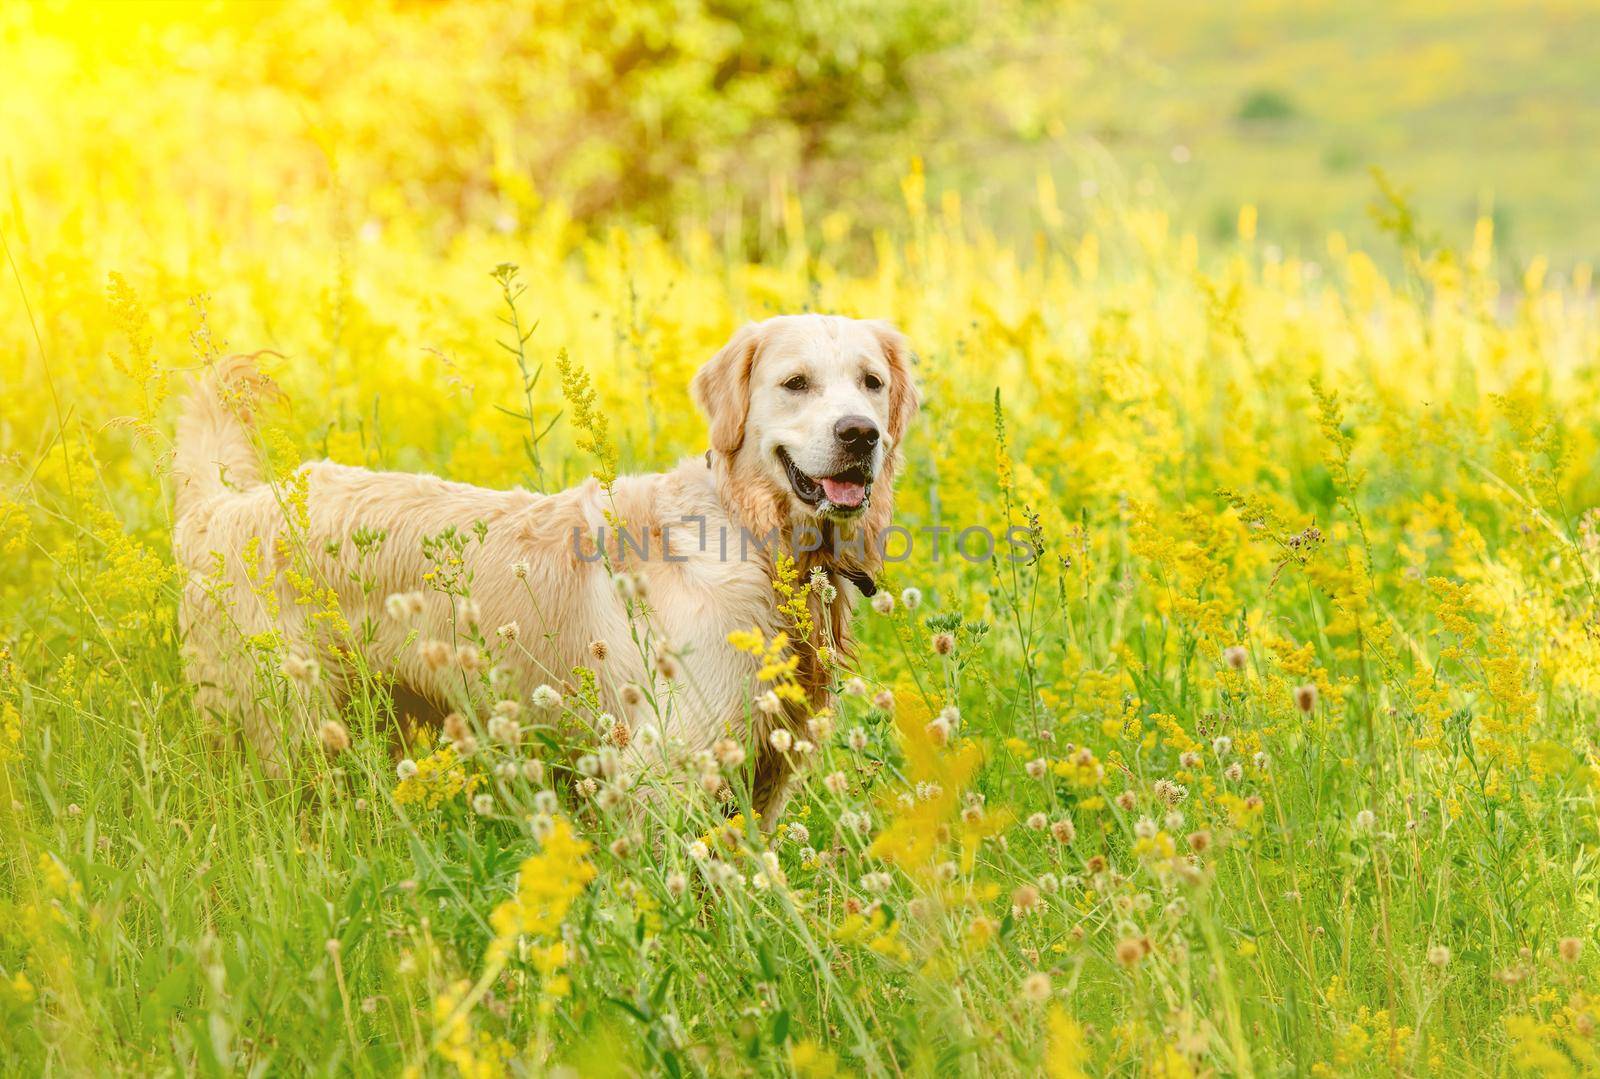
pixel 1296 682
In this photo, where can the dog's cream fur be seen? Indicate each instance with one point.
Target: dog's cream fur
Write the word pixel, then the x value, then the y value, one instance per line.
pixel 528 570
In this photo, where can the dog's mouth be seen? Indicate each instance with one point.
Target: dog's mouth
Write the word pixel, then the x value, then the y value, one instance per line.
pixel 843 492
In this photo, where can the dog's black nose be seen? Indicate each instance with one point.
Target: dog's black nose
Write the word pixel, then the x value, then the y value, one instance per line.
pixel 857 433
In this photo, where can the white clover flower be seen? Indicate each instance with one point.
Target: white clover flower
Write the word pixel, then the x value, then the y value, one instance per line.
pixel 877 882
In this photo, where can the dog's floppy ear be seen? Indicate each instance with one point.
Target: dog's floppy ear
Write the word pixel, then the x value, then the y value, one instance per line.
pixel 904 400
pixel 722 388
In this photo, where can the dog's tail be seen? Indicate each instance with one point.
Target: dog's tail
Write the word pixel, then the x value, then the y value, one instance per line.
pixel 215 451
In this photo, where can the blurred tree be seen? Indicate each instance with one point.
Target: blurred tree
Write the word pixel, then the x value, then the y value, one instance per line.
pixel 666 106
pixel 653 110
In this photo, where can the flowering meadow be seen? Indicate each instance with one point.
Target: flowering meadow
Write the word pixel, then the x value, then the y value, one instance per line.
pixel 1280 758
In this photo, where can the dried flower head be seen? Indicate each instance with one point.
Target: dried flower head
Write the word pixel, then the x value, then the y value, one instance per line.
pixel 301 669
pixel 434 654
pixel 335 738
pixel 619 734
pixel 1130 950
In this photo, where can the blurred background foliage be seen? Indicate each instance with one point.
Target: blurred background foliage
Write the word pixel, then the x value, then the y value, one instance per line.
pixel 718 111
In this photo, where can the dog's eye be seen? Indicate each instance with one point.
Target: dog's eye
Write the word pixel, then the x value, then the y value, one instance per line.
pixel 873 382
pixel 796 384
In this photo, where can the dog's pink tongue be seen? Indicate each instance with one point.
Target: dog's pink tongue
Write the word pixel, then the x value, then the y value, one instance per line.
pixel 843 493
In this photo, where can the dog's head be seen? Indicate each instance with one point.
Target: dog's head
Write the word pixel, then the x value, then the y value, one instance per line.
pixel 812 408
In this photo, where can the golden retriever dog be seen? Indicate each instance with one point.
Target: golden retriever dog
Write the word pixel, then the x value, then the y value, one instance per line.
pixel 471 599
